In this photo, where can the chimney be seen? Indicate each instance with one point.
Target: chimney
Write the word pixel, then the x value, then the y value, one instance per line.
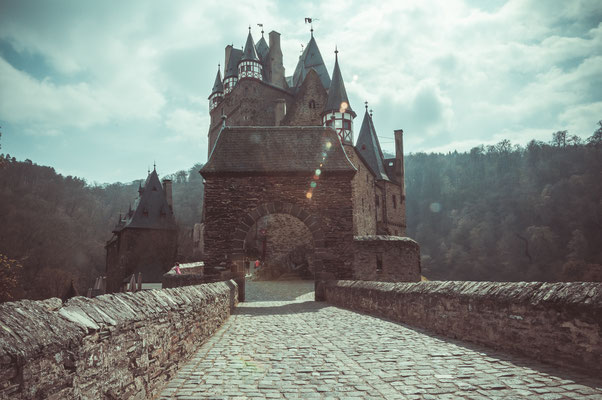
pixel 279 111
pixel 227 59
pixel 275 67
pixel 167 191
pixel 399 173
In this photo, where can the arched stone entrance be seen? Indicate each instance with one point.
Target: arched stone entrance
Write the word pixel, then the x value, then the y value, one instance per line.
pixel 308 230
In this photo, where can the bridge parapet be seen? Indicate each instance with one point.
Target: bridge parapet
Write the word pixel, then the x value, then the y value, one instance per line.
pixel 124 345
pixel 559 323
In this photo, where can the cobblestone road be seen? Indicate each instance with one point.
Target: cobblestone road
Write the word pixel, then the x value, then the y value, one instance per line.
pixel 281 344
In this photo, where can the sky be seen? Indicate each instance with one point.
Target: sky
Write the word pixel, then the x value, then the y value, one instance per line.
pixel 102 90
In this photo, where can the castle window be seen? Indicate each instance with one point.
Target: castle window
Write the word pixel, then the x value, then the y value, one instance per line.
pixel 312 104
pixel 379 263
pixel 377 201
pixel 346 124
pixel 394 202
pixel 226 85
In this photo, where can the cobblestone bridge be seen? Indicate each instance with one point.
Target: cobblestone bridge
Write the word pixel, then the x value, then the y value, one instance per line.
pixel 282 344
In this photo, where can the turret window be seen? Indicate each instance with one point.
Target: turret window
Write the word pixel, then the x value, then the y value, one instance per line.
pixel 394 202
pixel 312 104
pixel 249 69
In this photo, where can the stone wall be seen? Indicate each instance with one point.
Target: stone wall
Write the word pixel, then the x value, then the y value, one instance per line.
pixel 115 346
pixel 233 204
pixel 559 323
pixel 251 103
pixel 386 259
pixel 364 206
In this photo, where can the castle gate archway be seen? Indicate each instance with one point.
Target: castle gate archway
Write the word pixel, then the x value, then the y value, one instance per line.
pixel 286 237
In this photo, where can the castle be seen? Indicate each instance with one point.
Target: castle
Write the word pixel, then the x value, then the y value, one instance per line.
pixel 145 238
pixel 284 180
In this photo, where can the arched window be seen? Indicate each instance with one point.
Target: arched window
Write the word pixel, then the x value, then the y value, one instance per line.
pixel 312 104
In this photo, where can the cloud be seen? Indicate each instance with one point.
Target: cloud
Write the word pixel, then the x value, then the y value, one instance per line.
pixel 187 125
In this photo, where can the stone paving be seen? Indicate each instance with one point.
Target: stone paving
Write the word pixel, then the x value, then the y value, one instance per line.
pixel 281 344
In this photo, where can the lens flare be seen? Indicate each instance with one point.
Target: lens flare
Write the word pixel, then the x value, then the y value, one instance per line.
pixel 435 207
pixel 308 195
pixel 313 185
pixel 318 172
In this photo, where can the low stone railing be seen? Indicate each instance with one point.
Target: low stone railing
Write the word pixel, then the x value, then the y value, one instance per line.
pixel 117 346
pixel 559 323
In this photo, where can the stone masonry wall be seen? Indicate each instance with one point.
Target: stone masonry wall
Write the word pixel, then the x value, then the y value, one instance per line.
pixel 364 206
pixel 115 346
pixel 560 323
pixel 399 258
pixel 251 103
pixel 230 199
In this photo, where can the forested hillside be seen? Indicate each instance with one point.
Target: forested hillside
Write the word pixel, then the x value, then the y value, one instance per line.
pixel 53 228
pixel 509 213
pixel 499 212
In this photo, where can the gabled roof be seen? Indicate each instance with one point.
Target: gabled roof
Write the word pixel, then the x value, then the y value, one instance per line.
pixel 249 53
pixel 311 58
pixel 277 149
pixel 232 67
pixel 218 86
pixel 337 93
pixel 368 147
pixel 151 208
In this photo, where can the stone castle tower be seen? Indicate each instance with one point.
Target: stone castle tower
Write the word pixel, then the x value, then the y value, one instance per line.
pixel 144 239
pixel 286 183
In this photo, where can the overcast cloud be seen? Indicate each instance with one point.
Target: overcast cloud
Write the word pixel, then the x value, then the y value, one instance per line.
pixel 101 90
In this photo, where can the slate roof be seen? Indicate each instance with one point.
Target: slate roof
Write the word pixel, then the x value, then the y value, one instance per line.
pixel 311 58
pixel 151 210
pixel 262 50
pixel 337 93
pixel 218 86
pixel 368 147
pixel 232 67
pixel 249 53
pixel 280 149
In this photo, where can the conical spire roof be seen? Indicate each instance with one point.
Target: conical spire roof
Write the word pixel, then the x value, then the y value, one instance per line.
pixel 311 58
pixel 232 67
pixel 151 208
pixel 368 147
pixel 337 93
pixel 262 49
pixel 249 53
pixel 218 86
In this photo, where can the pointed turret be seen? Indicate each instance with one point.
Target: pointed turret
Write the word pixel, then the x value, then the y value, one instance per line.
pixel 249 65
pixel 338 113
pixel 311 59
pixel 217 93
pixel 152 209
pixel 368 147
pixel 233 57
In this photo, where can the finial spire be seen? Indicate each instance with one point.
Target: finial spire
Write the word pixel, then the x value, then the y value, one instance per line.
pixel 249 28
pixel 154 165
pixel 370 113
pixel 366 104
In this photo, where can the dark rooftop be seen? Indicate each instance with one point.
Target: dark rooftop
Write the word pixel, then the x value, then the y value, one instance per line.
pixel 311 58
pixel 368 147
pixel 151 210
pixel 280 149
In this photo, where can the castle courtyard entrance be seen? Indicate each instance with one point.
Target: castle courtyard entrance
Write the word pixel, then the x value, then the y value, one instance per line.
pixel 284 246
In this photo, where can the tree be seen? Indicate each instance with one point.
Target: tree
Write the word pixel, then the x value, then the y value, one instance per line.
pixel 9 273
pixel 559 138
pixel 596 138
